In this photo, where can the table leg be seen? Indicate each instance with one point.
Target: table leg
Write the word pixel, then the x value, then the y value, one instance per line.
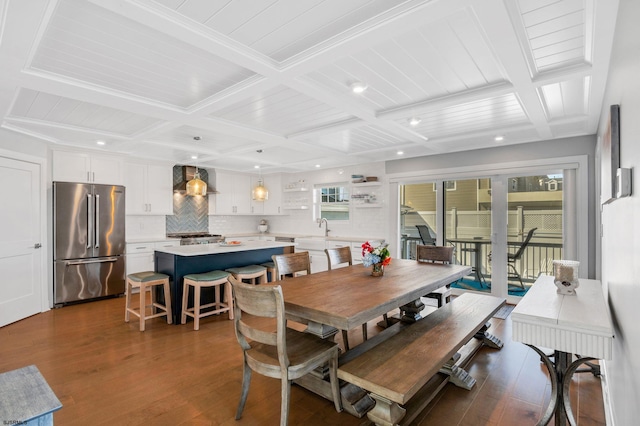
pixel 411 311
pixel 551 408
pixel 560 371
pixel 478 264
pixel 323 331
pixel 566 383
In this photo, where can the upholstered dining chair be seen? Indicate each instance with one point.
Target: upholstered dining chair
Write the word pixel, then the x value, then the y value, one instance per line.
pixel 289 264
pixel 437 254
pixel 285 353
pixel 340 256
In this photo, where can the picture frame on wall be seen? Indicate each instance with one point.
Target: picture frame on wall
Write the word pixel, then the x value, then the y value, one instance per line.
pixel 610 155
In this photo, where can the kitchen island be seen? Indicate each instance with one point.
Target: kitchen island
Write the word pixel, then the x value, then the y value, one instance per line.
pixel 182 260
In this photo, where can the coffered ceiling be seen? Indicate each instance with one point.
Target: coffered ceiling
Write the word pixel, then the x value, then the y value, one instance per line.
pixel 146 76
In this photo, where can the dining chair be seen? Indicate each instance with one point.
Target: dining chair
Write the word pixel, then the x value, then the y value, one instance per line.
pixel 437 254
pixel 289 264
pixel 340 256
pixel 285 353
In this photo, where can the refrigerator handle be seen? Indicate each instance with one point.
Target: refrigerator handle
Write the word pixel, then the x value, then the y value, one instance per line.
pixel 89 221
pixel 89 261
pixel 96 238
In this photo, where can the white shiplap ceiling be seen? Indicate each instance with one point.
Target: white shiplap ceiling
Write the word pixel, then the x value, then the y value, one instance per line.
pixel 147 76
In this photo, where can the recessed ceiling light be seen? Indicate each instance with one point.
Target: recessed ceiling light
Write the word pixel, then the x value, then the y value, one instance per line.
pixel 414 121
pixel 499 138
pixel 400 152
pixel 256 166
pixel 101 142
pixel 194 157
pixel 317 165
pixel 358 87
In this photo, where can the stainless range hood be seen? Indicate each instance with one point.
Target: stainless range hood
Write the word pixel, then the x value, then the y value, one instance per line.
pixel 187 173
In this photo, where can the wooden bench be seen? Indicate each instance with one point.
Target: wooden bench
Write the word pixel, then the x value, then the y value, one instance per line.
pixel 406 369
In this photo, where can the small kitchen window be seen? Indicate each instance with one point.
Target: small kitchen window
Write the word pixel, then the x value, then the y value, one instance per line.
pixel 332 202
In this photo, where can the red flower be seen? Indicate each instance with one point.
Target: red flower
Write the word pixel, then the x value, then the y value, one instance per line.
pixel 366 248
pixel 386 261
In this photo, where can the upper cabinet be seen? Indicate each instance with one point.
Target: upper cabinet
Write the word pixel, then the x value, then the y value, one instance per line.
pixel 149 189
pixel 69 166
pixel 234 194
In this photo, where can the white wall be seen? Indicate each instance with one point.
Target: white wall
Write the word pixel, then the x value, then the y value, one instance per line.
pixel 620 245
pixel 365 223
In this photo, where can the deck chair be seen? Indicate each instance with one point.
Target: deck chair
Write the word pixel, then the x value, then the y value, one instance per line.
pixel 286 353
pixel 425 235
pixel 440 254
pixel 512 257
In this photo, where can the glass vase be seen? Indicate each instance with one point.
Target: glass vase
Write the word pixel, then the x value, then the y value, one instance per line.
pixel 378 270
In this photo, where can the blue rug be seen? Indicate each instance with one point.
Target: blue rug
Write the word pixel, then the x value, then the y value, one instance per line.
pixel 468 284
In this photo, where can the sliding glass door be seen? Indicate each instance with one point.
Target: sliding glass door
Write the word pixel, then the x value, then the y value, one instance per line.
pixel 507 228
pixel 534 228
pixel 418 219
pixel 467 227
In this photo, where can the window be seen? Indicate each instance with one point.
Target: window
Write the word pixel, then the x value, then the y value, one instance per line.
pixel 332 202
pixel 449 185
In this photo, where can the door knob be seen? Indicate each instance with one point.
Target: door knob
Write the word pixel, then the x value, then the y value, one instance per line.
pixel 37 245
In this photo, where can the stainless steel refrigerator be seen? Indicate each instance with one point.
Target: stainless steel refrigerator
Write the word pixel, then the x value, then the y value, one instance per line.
pixel 89 241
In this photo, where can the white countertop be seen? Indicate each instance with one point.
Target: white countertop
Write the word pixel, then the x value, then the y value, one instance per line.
pixel 231 235
pixel 202 249
pixel 137 240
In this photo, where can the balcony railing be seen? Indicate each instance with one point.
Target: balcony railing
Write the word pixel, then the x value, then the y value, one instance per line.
pixel 537 258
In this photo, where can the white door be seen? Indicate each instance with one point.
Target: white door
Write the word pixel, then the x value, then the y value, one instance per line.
pixel 20 239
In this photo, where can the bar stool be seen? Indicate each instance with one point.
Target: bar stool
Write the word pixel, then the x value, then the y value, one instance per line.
pixel 250 272
pixel 271 270
pixel 147 280
pixel 214 279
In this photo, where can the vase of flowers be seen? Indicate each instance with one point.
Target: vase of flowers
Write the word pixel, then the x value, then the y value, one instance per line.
pixel 378 257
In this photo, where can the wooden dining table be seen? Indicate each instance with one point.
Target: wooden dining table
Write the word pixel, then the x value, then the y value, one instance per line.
pixel 345 298
pixel 348 297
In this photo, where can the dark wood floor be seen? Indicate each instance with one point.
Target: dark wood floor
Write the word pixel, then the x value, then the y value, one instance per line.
pixel 105 371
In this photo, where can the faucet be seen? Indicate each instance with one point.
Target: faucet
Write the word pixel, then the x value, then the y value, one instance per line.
pixel 326 228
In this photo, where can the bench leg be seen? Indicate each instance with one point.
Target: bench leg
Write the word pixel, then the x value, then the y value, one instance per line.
pixel 459 377
pixel 385 412
pixel 488 338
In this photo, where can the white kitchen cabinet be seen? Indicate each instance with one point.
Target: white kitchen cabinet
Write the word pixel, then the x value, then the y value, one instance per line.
pixel 149 189
pixel 273 205
pixel 71 166
pixel 319 261
pixel 139 256
pixel 234 194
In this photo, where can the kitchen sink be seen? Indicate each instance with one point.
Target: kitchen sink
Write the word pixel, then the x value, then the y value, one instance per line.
pixel 310 243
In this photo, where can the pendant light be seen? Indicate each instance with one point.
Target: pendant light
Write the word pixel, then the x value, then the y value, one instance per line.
pixel 196 186
pixel 260 192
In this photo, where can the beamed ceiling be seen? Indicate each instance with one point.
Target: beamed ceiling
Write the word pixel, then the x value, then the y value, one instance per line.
pixel 146 76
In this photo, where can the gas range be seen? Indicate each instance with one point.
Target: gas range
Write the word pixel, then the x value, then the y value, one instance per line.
pixel 191 238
